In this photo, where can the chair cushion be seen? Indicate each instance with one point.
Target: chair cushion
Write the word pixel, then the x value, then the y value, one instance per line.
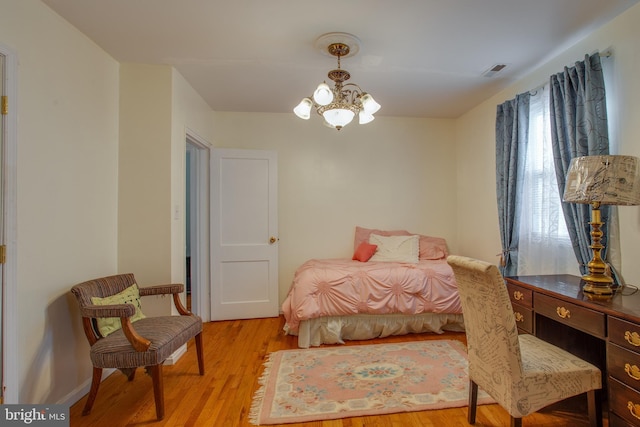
pixel 166 333
pixel 554 373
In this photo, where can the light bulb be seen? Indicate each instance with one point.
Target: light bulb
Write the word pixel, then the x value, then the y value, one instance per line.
pixel 303 109
pixel 369 104
pixel 338 117
pixel 364 118
pixel 323 94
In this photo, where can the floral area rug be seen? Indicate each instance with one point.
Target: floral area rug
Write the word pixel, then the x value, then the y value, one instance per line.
pixel 349 381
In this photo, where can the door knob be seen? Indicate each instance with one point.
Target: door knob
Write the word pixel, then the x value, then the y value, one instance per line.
pixel 272 240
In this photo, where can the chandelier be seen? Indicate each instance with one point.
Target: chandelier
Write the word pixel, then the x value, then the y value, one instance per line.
pixel 340 104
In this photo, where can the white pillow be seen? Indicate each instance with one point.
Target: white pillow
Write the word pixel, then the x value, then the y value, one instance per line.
pixel 396 248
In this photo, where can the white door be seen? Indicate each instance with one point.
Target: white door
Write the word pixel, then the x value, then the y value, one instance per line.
pixel 8 220
pixel 244 234
pixel 3 113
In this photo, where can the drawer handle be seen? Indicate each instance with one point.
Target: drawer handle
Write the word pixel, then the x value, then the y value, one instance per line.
pixel 563 312
pixel 634 409
pixel 632 370
pixel 632 338
pixel 518 296
pixel 519 316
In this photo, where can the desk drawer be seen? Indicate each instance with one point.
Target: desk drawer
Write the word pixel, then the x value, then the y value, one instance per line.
pixel 616 421
pixel 624 401
pixel 524 317
pixel 623 365
pixel 625 334
pixel 520 295
pixel 584 319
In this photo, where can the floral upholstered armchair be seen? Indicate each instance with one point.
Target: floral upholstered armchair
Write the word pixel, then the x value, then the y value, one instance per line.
pixel 521 372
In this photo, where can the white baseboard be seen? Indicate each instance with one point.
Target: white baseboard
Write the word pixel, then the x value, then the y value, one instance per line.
pixel 171 360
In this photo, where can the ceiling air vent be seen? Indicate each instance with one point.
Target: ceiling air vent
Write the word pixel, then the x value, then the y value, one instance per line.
pixel 494 70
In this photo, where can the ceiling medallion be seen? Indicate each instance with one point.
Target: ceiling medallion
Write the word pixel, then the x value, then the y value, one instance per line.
pixel 339 105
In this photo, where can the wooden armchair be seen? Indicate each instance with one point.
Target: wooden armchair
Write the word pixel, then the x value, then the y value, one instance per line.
pixel 143 341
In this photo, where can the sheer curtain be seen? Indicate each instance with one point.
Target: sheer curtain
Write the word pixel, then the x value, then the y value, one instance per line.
pixel 544 243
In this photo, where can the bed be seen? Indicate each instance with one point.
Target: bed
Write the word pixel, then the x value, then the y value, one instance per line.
pixel 396 283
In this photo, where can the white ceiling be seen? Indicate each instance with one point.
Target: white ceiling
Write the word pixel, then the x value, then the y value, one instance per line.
pixel 418 58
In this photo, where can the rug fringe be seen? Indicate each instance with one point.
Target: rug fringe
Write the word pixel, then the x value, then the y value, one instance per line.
pixel 258 396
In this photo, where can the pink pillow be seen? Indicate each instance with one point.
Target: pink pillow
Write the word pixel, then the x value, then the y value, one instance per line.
pixel 364 252
pixel 433 247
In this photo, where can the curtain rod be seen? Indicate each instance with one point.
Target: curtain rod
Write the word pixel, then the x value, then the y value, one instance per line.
pixel 606 54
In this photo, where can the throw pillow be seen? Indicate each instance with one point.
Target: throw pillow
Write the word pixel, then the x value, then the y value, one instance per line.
pixel 433 247
pixel 362 234
pixel 395 248
pixel 131 295
pixel 364 252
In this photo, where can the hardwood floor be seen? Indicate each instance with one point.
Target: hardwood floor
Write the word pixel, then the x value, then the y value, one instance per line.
pixel 234 354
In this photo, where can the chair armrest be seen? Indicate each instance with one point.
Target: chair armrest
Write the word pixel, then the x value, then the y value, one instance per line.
pixel 115 310
pixel 138 342
pixel 124 312
pixel 174 289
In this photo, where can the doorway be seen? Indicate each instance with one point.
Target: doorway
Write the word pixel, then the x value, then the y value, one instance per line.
pixel 197 278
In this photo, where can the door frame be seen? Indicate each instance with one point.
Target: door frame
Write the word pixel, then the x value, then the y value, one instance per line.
pixel 9 215
pixel 199 149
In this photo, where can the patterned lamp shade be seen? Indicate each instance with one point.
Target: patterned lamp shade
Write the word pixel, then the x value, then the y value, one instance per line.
pixel 607 180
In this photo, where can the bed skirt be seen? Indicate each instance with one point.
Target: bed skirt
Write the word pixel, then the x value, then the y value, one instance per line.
pixel 336 329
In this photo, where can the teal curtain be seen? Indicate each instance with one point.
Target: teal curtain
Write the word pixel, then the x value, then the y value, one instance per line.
pixel 579 128
pixel 512 136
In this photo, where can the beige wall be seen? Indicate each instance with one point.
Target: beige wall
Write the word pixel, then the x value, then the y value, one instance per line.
pixel 389 174
pixel 67 195
pixel 477 211
pixel 144 176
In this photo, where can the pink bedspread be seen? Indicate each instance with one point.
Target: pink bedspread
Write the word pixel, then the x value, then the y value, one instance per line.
pixel 336 287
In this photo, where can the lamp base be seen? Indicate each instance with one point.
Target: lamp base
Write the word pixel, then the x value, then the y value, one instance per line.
pixel 597 284
pixel 597 287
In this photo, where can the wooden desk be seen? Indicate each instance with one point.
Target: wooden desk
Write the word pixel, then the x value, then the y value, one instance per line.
pixel 606 333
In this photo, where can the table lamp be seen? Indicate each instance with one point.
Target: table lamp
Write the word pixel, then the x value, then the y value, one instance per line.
pixel 601 180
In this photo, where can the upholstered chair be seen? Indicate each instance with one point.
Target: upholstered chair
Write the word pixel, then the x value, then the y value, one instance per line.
pixel 521 372
pixel 121 337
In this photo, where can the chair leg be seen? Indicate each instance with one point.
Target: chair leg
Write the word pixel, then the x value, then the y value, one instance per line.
pixel 200 353
pixel 130 373
pixel 516 422
pixel 158 389
pixel 594 398
pixel 473 402
pixel 93 392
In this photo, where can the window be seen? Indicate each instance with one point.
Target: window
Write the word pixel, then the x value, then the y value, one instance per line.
pixel 544 245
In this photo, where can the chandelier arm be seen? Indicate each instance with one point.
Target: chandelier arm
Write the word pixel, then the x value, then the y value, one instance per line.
pixel 353 95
